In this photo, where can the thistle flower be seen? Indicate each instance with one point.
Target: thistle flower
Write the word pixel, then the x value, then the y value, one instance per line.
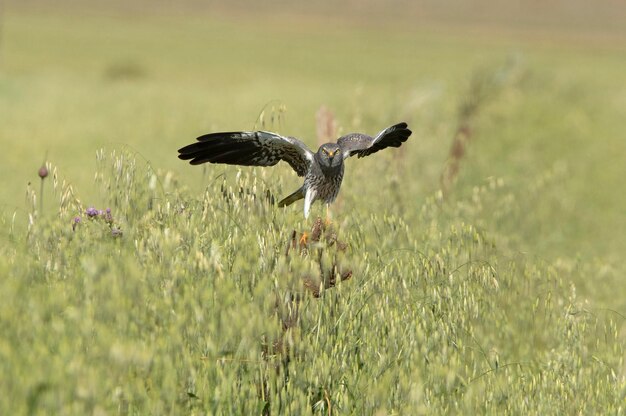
pixel 75 223
pixel 91 212
pixel 43 171
pixel 107 216
pixel 103 215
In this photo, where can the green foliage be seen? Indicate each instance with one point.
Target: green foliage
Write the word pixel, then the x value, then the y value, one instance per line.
pixel 178 312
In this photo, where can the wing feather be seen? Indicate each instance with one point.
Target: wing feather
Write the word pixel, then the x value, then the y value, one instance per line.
pixel 256 148
pixel 364 145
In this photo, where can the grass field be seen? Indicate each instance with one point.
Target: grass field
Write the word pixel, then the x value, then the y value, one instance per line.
pixel 503 292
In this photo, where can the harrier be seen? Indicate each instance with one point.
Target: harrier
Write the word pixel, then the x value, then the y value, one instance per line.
pixel 322 170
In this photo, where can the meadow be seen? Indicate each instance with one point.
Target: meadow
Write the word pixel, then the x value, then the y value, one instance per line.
pixel 485 278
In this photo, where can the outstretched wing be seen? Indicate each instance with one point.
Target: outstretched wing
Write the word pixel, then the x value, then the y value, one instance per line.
pixel 248 148
pixel 364 145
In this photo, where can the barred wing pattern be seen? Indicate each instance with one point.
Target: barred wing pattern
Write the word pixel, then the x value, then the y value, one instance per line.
pixel 256 148
pixel 364 145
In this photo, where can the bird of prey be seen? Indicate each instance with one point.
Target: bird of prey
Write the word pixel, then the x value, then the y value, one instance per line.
pixel 322 170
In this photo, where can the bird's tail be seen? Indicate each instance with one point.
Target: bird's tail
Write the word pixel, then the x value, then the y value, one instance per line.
pixel 299 194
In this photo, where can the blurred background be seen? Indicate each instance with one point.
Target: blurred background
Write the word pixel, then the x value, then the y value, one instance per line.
pixel 528 97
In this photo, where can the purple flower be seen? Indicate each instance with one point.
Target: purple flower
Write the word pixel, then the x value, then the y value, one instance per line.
pixel 76 221
pixel 43 171
pixel 91 212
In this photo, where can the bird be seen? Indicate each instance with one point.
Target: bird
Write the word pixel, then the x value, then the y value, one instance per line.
pixel 322 170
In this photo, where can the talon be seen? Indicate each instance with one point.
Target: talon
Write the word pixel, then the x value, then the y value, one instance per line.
pixel 303 240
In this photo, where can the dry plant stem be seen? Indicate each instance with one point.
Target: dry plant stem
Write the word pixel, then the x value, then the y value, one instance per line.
pixel 484 87
pixel 321 232
pixel 462 137
pixel 327 279
pixel 287 311
pixel 326 125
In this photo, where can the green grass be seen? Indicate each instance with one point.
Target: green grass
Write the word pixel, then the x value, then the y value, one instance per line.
pixel 505 297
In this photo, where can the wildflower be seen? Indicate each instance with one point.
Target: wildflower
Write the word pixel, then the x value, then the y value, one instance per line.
pixel 43 172
pixel 107 216
pixel 75 223
pixel 91 212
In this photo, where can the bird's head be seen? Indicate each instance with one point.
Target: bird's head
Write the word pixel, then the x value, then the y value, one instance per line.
pixel 329 155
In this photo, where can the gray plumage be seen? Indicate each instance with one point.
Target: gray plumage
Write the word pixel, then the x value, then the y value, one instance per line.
pixel 322 170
